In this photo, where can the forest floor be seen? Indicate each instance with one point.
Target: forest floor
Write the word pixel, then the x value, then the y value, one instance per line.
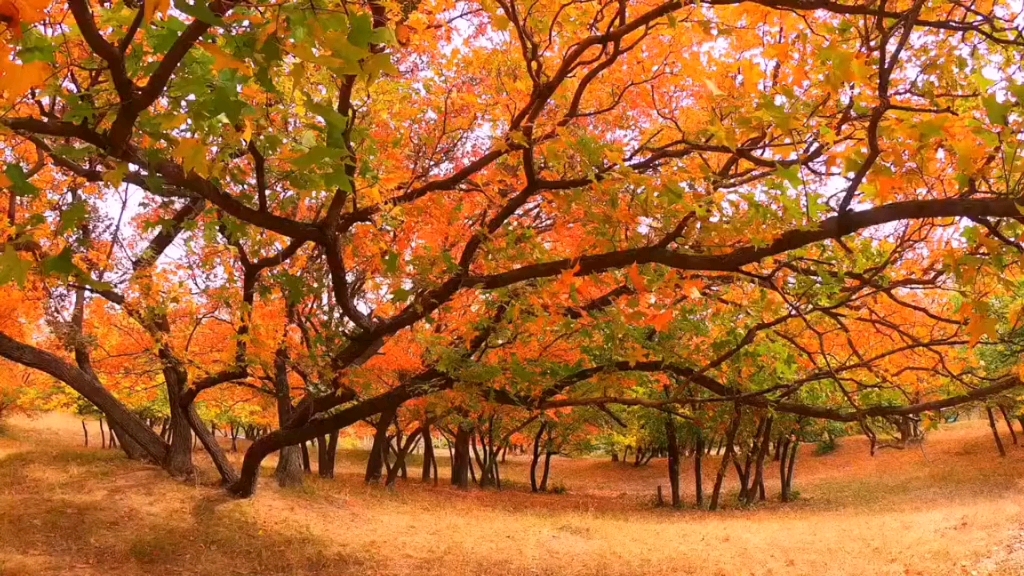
pixel 950 507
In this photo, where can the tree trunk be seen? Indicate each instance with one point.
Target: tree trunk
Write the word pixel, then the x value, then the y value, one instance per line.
pixel 130 447
pixel 332 455
pixel 234 438
pixel 783 464
pixel 220 460
pixel 321 456
pixel 698 470
pixel 461 458
pixel 103 435
pixel 289 472
pixel 1009 425
pixel 379 449
pixel 306 467
pixel 89 387
pixel 729 441
pixel 85 430
pixel 673 461
pixel 757 486
pixel 787 490
pixel 547 470
pixel 403 451
pixel 995 432
pixel 179 458
pixel 536 457
pixel 428 453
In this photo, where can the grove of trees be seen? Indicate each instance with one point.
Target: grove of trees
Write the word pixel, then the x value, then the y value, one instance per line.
pixel 641 227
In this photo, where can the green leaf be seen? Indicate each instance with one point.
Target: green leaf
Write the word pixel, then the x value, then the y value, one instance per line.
pixel 401 295
pixel 60 265
pixel 391 263
pixel 200 11
pixel 12 267
pixel 73 216
pixel 997 111
pixel 380 63
pixel 19 181
pixel 791 174
pixel 361 30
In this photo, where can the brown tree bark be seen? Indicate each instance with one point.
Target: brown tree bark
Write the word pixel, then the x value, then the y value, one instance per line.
pixel 729 442
pixel 428 453
pixel 379 449
pixel 757 486
pixel 995 431
pixel 1009 424
pixel 290 472
pixel 461 458
pixel 698 469
pixel 673 461
pixel 534 486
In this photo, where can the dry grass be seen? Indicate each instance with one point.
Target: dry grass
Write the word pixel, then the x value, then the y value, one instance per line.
pixel 952 508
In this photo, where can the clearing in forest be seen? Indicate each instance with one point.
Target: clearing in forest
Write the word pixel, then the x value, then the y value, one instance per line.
pixel 950 507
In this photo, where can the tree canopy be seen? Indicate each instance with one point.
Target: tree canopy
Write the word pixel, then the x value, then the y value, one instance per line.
pixel 509 214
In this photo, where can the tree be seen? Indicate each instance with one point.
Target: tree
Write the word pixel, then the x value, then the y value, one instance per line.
pixel 543 205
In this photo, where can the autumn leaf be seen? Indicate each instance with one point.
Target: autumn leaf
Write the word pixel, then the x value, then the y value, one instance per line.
pixel 151 7
pixel 223 60
pixel 979 326
pixel 15 13
pixel 636 278
pixel 661 321
pixel 192 154
pixel 692 288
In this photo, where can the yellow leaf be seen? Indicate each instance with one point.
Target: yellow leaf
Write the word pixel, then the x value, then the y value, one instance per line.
pixel 372 194
pixel 18 12
pixel 16 80
pixel 222 60
pixel 247 133
pixel 715 90
pixel 192 154
pixel 981 326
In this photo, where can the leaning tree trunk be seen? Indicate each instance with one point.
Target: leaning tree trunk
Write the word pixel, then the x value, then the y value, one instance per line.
pixel 403 451
pixel 995 432
pixel 89 387
pixel 130 447
pixel 1009 425
pixel 673 461
pixel 216 453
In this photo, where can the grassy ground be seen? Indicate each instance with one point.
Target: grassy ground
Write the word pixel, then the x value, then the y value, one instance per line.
pixel 952 507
